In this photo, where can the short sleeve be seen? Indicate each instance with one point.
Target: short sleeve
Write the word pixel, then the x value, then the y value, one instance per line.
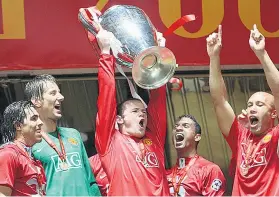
pixel 8 167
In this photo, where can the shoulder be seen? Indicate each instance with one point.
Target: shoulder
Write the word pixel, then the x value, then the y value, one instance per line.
pixel 208 165
pixel 238 126
pixel 9 152
pixel 275 130
pixel 68 130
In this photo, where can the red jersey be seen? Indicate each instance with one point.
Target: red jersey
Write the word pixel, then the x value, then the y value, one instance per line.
pixel 99 173
pixel 19 172
pixel 128 173
pixel 203 178
pixel 256 161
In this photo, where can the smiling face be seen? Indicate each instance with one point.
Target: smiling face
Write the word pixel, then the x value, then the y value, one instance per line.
pixel 133 120
pixel 30 129
pixel 49 106
pixel 261 112
pixel 184 134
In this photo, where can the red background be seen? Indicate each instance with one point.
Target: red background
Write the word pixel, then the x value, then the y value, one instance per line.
pixel 55 38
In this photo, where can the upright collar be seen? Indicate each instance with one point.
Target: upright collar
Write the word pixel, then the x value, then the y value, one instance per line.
pixel 184 161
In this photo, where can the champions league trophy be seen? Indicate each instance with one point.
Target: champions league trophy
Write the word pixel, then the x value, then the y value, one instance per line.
pixel 135 45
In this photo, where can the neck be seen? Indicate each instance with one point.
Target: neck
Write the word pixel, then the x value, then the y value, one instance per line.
pixel 49 125
pixel 24 141
pixel 131 133
pixel 264 130
pixel 186 152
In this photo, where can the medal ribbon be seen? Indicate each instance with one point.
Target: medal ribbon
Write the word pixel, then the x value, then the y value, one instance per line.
pixel 62 155
pixel 176 186
pixel 141 146
pixel 38 169
pixel 251 152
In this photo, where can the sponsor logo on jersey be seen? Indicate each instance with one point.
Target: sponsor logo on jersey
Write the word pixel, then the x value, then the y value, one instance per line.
pixel 258 160
pixel 72 159
pixel 150 160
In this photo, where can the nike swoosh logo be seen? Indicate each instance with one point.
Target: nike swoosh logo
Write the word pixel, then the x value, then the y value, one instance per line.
pixel 39 150
pixel 102 176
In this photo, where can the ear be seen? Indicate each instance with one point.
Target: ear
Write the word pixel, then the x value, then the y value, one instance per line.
pixel 36 102
pixel 197 137
pixel 119 119
pixel 17 126
pixel 274 114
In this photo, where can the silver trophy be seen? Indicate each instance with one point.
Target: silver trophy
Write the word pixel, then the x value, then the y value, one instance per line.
pixel 136 40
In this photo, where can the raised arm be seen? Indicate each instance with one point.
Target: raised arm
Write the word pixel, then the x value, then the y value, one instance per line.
pixel 224 112
pixel 157 115
pixel 157 107
pixel 105 121
pixel 257 44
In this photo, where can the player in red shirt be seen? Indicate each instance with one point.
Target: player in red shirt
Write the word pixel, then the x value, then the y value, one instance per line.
pixel 133 156
pixel 192 175
pixel 20 173
pixel 99 173
pixel 252 137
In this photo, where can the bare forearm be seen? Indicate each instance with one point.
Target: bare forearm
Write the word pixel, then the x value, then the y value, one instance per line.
pixel 271 72
pixel 216 82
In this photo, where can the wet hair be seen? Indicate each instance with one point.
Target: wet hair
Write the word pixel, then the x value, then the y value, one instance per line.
pixel 121 106
pixel 35 88
pixel 14 114
pixel 197 125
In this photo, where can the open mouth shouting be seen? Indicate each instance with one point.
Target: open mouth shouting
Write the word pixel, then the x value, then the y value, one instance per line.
pixel 57 107
pixel 253 121
pixel 141 123
pixel 179 140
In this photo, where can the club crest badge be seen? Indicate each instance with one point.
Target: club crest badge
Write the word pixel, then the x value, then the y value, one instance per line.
pixel 147 141
pixel 73 141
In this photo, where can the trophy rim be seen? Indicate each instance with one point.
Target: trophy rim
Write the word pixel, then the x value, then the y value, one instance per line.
pixel 164 80
pixel 116 6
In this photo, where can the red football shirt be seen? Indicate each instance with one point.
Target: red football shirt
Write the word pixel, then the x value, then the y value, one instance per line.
pixel 260 178
pixel 203 178
pixel 128 174
pixel 99 173
pixel 19 172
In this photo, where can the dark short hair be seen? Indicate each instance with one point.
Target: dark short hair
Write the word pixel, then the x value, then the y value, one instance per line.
pixel 197 125
pixel 35 88
pixel 121 106
pixel 13 114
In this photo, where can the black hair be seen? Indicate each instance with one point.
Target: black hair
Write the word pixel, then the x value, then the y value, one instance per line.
pixel 197 125
pixel 14 114
pixel 120 106
pixel 35 88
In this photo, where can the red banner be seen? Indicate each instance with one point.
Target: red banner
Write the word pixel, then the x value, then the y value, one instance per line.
pixel 46 34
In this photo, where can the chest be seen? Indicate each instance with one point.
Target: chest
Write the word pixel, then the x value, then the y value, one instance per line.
pixel 185 184
pixel 27 176
pixel 50 158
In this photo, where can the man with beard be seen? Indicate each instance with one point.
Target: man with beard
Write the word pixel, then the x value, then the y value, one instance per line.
pixel 192 175
pixel 61 151
pixel 133 155
pixel 253 138
pixel 20 173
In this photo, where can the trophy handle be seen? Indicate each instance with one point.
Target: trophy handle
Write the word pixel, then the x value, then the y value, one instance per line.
pixel 92 26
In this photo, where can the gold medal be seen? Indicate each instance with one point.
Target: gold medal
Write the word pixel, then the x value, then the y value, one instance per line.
pixel 64 166
pixel 244 170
